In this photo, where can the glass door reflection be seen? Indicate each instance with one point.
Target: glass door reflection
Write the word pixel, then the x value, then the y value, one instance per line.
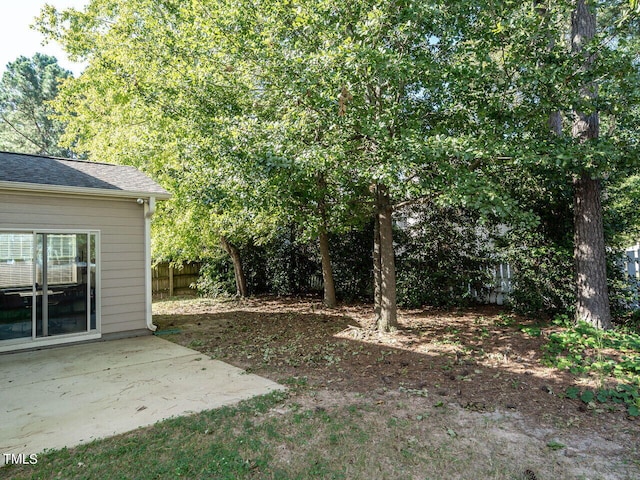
pixel 62 288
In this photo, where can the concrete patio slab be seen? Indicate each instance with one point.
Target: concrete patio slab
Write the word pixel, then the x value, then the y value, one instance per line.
pixel 66 396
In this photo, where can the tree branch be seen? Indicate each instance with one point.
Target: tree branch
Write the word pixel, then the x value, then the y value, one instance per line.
pixel 15 129
pixel 413 201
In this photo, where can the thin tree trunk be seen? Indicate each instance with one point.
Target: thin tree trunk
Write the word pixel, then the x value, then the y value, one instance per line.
pixel 592 296
pixel 238 271
pixel 555 123
pixel 377 269
pixel 327 271
pixel 388 317
pixel 325 256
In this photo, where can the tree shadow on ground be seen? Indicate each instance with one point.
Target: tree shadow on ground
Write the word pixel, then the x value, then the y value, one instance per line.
pixel 480 359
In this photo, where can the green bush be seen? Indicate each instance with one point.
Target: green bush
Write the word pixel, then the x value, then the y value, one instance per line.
pixel 283 266
pixel 352 262
pixel 291 265
pixel 542 280
pixel 441 255
pixel 216 278
pixel 622 292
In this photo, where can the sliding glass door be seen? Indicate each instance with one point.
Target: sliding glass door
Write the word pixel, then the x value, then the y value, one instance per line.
pixel 47 284
pixel 62 284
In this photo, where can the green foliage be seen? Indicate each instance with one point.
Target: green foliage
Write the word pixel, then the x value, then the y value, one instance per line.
pixel 622 211
pixel 285 265
pixel 442 253
pixel 630 321
pixel 259 116
pixel 542 275
pixel 351 254
pixel 555 445
pixel 291 264
pixel 541 255
pixel 505 320
pixel 434 262
pixel 530 74
pixel 623 289
pixel 581 349
pixel 27 120
pixel 531 330
pixel 216 278
pixel 627 395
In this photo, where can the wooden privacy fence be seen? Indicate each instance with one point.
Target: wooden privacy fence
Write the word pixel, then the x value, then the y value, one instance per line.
pixel 169 281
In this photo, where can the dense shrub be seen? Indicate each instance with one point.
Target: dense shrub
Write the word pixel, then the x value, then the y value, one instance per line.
pixel 291 265
pixel 442 255
pixel 352 262
pixel 216 277
pixel 623 291
pixel 542 279
pixel 284 266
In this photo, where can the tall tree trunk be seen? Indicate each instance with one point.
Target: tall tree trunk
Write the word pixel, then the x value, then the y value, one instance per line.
pixel 591 269
pixel 328 283
pixel 592 296
pixel 238 271
pixel 387 319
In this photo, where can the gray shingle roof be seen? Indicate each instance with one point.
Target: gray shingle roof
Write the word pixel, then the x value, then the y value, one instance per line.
pixel 27 169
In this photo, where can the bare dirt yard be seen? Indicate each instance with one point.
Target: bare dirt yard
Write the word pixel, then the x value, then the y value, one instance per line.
pixel 469 384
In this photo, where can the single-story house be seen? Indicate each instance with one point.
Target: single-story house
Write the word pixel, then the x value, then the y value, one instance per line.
pixel 75 261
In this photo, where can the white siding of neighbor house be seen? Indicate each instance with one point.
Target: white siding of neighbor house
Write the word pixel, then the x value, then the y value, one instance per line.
pixel 121 226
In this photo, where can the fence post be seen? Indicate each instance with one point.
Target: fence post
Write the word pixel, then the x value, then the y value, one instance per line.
pixel 170 280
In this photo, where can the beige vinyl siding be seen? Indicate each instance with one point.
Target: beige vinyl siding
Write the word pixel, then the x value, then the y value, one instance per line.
pixel 121 226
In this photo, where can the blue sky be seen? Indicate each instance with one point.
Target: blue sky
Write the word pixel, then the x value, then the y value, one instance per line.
pixel 16 38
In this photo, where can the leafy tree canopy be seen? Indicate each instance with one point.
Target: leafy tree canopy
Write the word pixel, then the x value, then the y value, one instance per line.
pixel 28 123
pixel 259 113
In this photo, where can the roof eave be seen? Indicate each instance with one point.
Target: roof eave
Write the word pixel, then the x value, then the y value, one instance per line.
pixel 94 192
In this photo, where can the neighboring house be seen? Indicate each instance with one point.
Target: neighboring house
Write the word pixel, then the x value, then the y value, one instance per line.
pixel 75 261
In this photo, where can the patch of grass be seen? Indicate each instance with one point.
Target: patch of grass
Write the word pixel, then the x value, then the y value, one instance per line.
pixel 505 320
pixel 607 355
pixel 273 437
pixel 421 392
pixel 298 382
pixel 196 343
pixel 531 330
pixel 555 445
pixel 484 333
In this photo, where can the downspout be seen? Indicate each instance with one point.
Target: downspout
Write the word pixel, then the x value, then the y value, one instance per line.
pixel 149 210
